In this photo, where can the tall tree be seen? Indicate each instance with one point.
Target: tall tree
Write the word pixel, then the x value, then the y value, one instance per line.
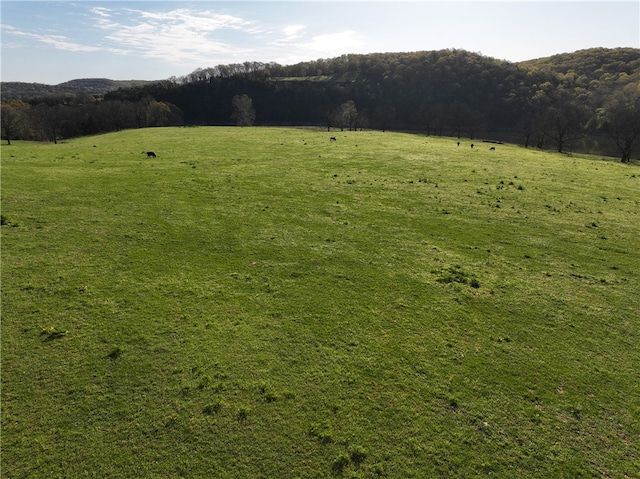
pixel 51 118
pixel 117 115
pixel 12 114
pixel 243 112
pixel 384 116
pixel 158 113
pixel 330 118
pixel 621 119
pixel 349 114
pixel 565 118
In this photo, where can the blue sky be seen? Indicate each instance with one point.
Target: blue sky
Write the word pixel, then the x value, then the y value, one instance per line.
pixel 56 41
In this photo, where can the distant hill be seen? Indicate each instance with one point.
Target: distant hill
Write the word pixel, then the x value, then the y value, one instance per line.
pixel 91 86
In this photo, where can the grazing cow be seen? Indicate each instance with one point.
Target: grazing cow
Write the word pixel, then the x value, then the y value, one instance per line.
pixel 458 143
pixel 493 148
pixel 151 154
pixel 333 138
pixel 471 145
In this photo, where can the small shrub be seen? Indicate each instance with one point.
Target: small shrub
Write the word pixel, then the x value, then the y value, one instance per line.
pixel 452 275
pixel 115 353
pixel 270 396
pixel 576 412
pixel 204 382
pixel 455 274
pixel 378 469
pixel 171 420
pixel 242 413
pixel 212 408
pixel 339 463
pixel 219 386
pixel 357 454
pixel 267 393
pixel 321 432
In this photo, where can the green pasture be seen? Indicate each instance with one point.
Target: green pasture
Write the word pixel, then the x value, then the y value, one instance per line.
pixel 267 303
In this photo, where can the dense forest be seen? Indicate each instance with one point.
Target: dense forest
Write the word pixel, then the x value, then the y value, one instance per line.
pixel 583 101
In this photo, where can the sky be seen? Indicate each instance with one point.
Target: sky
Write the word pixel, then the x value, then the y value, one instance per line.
pixel 56 41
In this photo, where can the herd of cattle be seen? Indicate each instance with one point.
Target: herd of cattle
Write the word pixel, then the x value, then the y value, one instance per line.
pixel 151 154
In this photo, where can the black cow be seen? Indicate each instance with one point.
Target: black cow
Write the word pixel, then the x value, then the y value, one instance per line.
pixel 151 154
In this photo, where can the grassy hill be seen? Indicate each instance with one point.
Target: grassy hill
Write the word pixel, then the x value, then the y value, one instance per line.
pixel 264 302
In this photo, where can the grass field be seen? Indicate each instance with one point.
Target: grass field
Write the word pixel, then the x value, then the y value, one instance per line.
pixel 265 303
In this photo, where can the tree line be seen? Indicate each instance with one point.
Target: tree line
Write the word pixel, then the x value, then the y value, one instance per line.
pixel 71 115
pixel 561 102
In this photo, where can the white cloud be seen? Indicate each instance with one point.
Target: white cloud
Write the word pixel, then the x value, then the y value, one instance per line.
pixel 59 42
pixel 177 36
pixel 101 11
pixel 187 36
pixel 292 32
pixel 103 20
pixel 336 43
pixel 204 22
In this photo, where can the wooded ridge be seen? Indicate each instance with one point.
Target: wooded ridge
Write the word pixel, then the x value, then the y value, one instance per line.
pixel 90 86
pixel 561 102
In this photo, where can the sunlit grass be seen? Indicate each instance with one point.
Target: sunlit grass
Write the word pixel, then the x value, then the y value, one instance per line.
pixel 266 303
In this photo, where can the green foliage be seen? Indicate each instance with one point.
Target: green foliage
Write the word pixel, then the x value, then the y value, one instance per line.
pixel 243 112
pixel 259 316
pixel 594 64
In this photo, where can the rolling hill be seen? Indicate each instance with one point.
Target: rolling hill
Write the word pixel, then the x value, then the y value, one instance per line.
pixel 90 86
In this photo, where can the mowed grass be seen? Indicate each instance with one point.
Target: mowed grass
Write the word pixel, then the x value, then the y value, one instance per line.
pixel 265 303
